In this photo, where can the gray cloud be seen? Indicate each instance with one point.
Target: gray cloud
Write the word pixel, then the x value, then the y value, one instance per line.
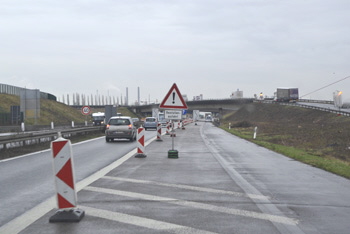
pixel 206 47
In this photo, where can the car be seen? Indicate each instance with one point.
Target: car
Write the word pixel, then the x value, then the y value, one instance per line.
pixel 137 122
pixel 150 122
pixel 120 127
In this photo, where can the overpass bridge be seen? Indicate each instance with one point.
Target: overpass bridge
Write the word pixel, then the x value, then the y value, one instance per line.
pixel 219 106
pixel 216 106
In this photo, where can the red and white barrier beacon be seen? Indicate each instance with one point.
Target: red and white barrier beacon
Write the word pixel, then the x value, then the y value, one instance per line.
pixel 140 143
pixel 65 183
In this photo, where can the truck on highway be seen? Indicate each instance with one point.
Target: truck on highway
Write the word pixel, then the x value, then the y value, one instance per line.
pixel 98 118
pixel 205 116
pixel 161 118
pixel 287 95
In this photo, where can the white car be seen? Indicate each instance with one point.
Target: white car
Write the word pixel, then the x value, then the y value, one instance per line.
pixel 150 122
pixel 120 127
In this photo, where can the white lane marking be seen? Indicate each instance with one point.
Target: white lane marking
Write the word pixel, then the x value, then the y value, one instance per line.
pixel 43 151
pixel 198 205
pixel 19 223
pixel 23 156
pixel 194 188
pixel 140 221
pixel 99 174
pixel 269 208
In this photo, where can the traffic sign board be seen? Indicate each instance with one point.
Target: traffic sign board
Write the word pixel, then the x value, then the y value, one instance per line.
pixel 85 110
pixel 173 114
pixel 173 99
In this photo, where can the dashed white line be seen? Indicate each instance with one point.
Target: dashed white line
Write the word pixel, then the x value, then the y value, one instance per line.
pixel 21 222
pixel 189 187
pixel 141 222
pixel 198 205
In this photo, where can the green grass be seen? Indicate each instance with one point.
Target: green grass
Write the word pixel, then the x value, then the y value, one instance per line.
pixel 330 164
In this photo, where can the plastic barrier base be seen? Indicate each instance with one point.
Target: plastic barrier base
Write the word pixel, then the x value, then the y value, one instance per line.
pixel 173 154
pixel 69 216
pixel 140 156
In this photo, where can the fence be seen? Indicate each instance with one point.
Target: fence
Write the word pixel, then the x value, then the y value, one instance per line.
pixel 6 118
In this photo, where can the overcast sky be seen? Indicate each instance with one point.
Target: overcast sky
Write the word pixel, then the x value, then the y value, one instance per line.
pixel 209 47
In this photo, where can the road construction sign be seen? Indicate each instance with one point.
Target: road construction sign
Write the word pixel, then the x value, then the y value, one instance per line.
pixel 173 99
pixel 173 114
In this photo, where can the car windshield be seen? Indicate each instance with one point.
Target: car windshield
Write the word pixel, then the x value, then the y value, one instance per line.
pixel 119 122
pixel 151 120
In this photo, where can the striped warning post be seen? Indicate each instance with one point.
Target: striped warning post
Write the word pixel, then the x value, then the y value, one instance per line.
pixel 63 170
pixel 159 132
pixel 64 181
pixel 167 128
pixel 140 143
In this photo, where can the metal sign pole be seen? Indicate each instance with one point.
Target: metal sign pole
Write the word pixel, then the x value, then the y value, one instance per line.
pixel 173 153
pixel 173 143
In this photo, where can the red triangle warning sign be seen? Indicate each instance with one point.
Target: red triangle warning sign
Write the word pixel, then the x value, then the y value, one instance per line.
pixel 173 99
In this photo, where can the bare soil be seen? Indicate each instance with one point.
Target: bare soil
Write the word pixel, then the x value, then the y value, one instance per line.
pixel 318 132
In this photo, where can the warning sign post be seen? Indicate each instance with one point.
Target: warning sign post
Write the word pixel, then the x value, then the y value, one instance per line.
pixel 173 99
pixel 174 103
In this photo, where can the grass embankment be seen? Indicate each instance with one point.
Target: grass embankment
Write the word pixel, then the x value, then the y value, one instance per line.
pixel 313 137
pixel 51 111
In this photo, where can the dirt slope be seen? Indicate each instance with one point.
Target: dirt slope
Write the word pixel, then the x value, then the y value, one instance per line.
pixel 321 133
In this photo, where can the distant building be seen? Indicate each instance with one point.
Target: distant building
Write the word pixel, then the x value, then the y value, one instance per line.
pixel 236 94
pixel 337 98
pixel 198 98
pixel 184 96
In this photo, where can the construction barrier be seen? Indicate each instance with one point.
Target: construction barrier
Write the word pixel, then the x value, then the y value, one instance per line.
pixel 140 143
pixel 65 182
pixel 167 128
pixel 159 132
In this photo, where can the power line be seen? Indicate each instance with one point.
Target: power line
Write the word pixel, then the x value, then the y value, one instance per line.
pixel 326 86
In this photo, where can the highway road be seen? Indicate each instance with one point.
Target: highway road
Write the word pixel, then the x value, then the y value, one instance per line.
pixel 219 184
pixel 28 180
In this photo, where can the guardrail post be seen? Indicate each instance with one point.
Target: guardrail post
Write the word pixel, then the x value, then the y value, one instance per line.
pixel 255 130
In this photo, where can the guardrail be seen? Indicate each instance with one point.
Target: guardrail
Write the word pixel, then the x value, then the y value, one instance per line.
pixel 339 112
pixel 25 139
pixel 316 101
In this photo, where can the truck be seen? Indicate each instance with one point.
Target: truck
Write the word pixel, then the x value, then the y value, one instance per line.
pixel 287 95
pixel 205 116
pixel 161 118
pixel 98 118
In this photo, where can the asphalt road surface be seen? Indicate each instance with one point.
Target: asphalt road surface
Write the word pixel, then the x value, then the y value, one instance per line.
pixel 28 180
pixel 219 184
